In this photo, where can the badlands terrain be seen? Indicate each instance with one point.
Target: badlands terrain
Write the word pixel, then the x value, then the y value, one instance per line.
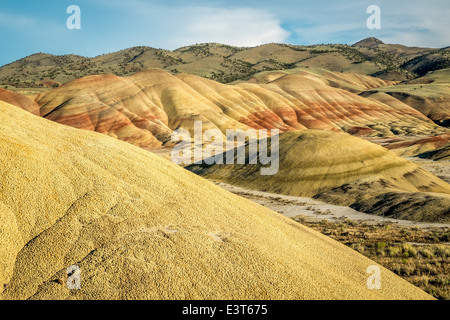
pixel 344 170
pixel 140 227
pixel 88 181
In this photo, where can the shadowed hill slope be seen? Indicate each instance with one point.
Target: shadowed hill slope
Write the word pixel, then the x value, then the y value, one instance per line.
pixel 140 227
pixel 438 154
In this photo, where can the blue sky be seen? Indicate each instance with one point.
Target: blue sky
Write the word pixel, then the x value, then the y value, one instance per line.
pixel 30 26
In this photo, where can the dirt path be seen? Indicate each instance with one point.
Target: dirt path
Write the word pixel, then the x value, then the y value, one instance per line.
pixel 312 209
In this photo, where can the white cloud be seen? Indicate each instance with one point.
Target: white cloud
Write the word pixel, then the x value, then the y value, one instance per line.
pixel 161 23
pixel 421 24
pixel 172 27
pixel 409 22
pixel 239 27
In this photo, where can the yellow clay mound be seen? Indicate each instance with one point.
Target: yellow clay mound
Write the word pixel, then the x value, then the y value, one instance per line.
pixel 314 161
pixel 140 227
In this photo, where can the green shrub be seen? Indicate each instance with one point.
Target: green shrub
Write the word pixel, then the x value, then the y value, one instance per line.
pixel 394 251
pixel 408 250
pixel 427 253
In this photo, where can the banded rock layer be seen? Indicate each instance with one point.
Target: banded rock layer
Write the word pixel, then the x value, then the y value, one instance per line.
pixel 337 168
pixel 145 108
pixel 140 227
pixel 19 100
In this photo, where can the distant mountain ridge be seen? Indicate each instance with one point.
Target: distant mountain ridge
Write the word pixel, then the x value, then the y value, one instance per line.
pixel 227 64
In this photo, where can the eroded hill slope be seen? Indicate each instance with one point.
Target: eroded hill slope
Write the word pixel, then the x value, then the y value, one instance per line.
pixel 140 227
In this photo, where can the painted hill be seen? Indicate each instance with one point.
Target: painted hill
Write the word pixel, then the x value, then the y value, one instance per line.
pixel 140 227
pixel 431 100
pixel 418 146
pixel 344 170
pixel 227 63
pixel 145 108
pixel 19 100
pixel 437 154
pixel 429 94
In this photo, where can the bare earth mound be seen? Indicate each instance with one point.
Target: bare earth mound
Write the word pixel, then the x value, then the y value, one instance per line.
pixel 145 108
pixel 19 100
pixel 439 154
pixel 422 146
pixel 140 227
pixel 333 167
pixel 429 94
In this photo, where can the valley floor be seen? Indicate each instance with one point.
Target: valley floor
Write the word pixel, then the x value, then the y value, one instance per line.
pixel 314 210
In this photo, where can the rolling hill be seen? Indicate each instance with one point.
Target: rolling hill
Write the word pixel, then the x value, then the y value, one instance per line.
pixel 345 170
pixel 146 107
pixel 19 100
pixel 140 227
pixel 227 63
pixel 429 94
